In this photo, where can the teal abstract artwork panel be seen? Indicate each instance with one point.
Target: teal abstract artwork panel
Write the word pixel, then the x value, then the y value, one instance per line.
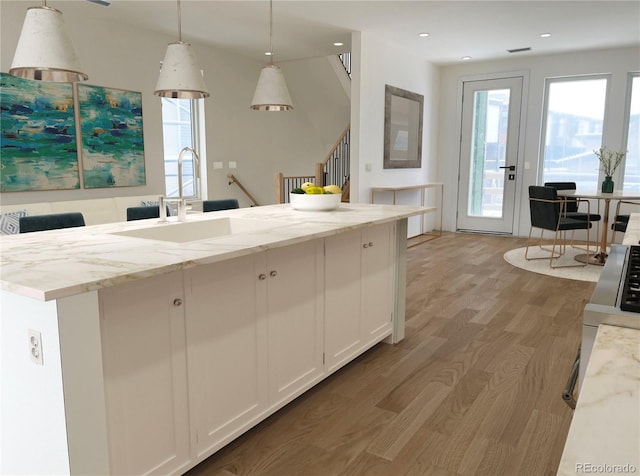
pixel 38 149
pixel 112 138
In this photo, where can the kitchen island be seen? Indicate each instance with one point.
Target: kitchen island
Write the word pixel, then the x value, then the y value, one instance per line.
pixel 142 347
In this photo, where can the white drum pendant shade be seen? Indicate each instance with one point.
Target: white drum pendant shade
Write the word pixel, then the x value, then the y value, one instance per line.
pixel 271 92
pixel 180 76
pixel 44 50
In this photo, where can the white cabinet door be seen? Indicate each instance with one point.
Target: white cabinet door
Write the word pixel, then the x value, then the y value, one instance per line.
pixel 359 292
pixel 294 318
pixel 342 322
pixel 226 336
pixel 142 328
pixel 378 255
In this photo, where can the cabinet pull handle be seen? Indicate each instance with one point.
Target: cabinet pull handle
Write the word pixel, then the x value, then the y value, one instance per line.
pixel 262 276
pixel 370 244
pixel 273 273
pixel 365 246
pixel 177 302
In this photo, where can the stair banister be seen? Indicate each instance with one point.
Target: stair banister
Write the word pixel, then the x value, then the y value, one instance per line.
pixel 233 180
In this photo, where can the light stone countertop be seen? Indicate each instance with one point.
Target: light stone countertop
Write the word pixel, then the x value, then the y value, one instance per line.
pixel 58 263
pixel 604 437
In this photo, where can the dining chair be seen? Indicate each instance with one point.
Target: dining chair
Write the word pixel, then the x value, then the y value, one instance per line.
pixel 142 213
pixel 621 221
pixel 217 205
pixel 571 209
pixel 548 213
pixel 52 221
pixel 572 204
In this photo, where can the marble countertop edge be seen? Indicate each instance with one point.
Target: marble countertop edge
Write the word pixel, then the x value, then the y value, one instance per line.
pixel 605 429
pixel 59 263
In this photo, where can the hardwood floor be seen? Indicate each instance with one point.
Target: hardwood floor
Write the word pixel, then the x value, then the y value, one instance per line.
pixel 474 389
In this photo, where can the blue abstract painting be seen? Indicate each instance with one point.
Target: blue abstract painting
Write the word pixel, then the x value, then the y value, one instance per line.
pixel 38 149
pixel 112 138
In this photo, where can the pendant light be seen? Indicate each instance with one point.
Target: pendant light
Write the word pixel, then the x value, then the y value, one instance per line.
pixel 44 50
pixel 180 74
pixel 271 92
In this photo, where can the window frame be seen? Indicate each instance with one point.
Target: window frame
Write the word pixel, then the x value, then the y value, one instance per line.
pixel 627 122
pixel 196 122
pixel 545 115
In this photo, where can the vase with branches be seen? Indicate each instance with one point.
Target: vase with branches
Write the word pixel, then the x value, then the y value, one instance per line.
pixel 610 160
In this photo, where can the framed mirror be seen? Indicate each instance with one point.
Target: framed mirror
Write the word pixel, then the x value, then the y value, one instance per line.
pixel 402 128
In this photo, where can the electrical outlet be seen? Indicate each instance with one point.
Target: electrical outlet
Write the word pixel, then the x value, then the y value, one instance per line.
pixel 35 346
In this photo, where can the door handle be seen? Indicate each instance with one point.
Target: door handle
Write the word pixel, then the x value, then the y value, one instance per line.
pixel 510 167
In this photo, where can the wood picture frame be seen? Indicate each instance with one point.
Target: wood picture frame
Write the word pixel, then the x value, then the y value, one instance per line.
pixel 403 111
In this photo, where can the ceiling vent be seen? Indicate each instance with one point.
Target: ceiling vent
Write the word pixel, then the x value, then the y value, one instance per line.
pixel 520 50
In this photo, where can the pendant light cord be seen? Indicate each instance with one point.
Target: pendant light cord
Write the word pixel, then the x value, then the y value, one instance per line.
pixel 271 32
pixel 179 24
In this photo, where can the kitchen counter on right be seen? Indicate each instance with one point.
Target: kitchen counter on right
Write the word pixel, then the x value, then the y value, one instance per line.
pixel 604 437
pixel 632 235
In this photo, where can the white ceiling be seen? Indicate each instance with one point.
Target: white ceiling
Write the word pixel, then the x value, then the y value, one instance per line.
pixel 306 28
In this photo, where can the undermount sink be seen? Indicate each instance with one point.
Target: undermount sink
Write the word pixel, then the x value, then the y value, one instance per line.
pixel 185 232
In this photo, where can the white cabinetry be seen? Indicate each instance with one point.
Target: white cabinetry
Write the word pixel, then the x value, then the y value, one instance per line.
pixel 226 342
pixel 254 338
pixel 143 338
pixel 153 375
pixel 359 291
pixel 294 310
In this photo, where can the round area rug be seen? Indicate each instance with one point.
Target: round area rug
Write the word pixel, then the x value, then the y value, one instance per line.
pixel 582 273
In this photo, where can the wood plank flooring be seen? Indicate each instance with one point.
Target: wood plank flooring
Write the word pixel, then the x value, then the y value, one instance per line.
pixel 474 389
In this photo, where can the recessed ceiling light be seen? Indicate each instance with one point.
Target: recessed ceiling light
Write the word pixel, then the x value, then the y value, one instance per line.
pixel 545 35
pixel 465 58
pixel 423 35
pixel 338 43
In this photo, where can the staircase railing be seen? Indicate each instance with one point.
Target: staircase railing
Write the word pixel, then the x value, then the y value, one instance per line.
pixel 336 164
pixel 234 181
pixel 284 184
pixel 334 169
pixel 345 59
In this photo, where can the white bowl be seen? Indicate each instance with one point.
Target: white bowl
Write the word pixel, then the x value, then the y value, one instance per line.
pixel 322 202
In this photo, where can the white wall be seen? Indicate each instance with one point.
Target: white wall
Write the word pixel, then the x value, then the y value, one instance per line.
pixel 375 64
pixel 617 62
pixel 261 143
pixel 24 421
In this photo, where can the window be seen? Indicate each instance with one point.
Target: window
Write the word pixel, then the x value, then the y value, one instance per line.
pixel 632 161
pixel 179 130
pixel 574 110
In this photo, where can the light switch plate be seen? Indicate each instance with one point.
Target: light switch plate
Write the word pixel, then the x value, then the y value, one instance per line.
pixel 217 165
pixel 232 165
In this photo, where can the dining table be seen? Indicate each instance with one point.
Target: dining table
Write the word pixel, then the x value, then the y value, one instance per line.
pixel 599 258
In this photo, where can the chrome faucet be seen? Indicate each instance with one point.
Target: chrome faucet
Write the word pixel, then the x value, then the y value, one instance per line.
pixel 182 204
